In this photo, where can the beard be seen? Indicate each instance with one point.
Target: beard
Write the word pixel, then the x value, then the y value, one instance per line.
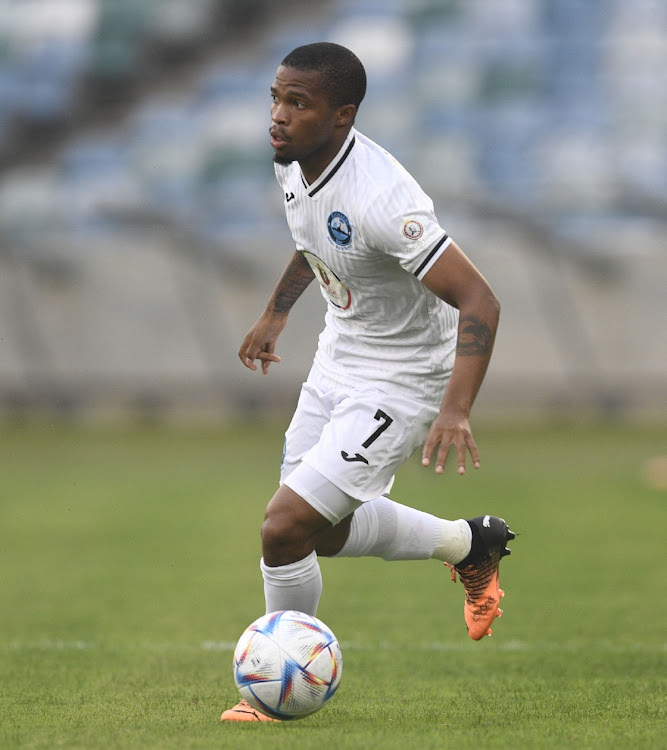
pixel 282 160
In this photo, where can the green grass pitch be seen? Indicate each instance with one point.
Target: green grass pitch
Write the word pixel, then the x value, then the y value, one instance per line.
pixel 129 567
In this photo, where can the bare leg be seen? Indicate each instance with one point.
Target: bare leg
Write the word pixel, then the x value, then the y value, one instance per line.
pixel 291 528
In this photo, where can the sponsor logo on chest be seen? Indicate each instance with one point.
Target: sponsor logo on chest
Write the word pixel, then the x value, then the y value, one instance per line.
pixel 336 291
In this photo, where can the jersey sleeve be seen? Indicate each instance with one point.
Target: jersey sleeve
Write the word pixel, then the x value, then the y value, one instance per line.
pixel 401 222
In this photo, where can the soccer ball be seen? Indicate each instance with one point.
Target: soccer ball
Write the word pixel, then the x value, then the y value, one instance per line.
pixel 287 664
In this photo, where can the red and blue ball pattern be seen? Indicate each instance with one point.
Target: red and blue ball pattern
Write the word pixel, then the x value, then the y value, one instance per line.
pixel 287 664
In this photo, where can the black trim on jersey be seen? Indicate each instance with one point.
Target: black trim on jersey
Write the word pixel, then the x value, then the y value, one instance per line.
pixel 430 255
pixel 334 170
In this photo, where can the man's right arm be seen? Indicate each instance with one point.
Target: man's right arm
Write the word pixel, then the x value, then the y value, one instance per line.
pixel 260 342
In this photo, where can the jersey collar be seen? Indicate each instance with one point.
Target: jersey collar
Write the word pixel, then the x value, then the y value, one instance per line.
pixel 335 164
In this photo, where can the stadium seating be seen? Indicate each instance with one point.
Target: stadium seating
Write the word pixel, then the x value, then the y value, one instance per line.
pixel 521 99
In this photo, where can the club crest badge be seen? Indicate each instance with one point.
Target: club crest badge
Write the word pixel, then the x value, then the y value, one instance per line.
pixel 340 229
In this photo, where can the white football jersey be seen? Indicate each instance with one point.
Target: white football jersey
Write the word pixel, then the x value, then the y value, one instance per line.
pixel 370 234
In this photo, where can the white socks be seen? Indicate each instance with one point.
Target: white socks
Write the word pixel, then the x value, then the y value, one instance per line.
pixel 455 541
pixel 295 586
pixel 380 528
pixel 386 529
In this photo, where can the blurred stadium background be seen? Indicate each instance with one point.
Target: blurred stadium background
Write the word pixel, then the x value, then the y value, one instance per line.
pixel 141 228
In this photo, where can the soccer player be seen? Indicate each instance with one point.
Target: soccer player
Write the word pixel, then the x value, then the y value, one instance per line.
pixel 409 330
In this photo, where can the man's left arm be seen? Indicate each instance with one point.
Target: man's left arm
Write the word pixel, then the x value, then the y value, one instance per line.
pixel 455 279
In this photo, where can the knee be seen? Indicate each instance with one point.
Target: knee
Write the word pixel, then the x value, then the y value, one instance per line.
pixel 284 539
pixel 289 529
pixel 276 533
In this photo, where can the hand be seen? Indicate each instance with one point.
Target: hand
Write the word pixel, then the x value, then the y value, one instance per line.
pixel 260 342
pixel 450 430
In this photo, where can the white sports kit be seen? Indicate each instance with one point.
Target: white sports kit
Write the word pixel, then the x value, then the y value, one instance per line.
pixel 386 353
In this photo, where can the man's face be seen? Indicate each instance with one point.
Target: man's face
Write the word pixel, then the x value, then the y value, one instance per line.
pixel 303 123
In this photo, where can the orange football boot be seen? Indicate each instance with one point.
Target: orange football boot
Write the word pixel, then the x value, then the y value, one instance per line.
pixel 478 572
pixel 243 711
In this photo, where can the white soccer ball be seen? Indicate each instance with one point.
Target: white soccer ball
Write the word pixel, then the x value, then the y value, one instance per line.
pixel 287 664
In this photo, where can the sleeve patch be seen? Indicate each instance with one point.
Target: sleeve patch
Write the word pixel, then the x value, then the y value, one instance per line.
pixel 412 229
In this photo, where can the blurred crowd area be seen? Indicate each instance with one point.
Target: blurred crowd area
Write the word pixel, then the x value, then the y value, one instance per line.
pixel 557 106
pixel 134 156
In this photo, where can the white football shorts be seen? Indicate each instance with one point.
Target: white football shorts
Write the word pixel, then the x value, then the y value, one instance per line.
pixel 354 437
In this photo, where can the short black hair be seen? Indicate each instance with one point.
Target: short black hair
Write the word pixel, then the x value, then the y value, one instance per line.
pixel 342 75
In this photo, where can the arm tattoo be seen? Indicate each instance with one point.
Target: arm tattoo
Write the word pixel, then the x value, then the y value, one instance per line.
pixel 296 278
pixel 475 337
